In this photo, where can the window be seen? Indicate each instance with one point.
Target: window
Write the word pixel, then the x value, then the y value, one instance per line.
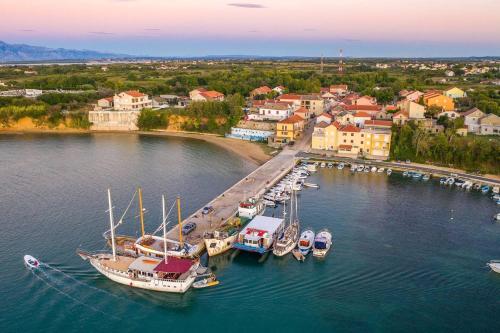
pixel 361 142
pixel 352 134
pixel 345 141
pixel 352 141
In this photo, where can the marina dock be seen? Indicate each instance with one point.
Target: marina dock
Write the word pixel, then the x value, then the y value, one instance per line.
pixel 226 204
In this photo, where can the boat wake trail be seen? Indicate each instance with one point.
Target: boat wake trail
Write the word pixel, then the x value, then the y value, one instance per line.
pixel 62 292
pixel 68 276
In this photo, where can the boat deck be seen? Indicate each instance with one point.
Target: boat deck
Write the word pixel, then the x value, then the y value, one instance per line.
pixel 122 263
pixel 226 205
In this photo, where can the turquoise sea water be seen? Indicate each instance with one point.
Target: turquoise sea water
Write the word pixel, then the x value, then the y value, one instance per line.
pixel 407 255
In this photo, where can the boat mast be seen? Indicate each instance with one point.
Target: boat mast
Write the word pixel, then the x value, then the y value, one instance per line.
pixel 179 220
pixel 112 225
pixel 141 211
pixel 164 228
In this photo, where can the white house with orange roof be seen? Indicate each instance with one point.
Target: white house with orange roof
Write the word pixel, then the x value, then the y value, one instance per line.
pixel 324 117
pixel 339 89
pixel 303 113
pixel 360 117
pixel 204 95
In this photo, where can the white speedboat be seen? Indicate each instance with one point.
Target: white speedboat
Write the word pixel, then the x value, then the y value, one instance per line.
pixel 340 166
pixel 494 265
pixel 380 170
pixel 269 203
pixel 311 185
pixel 495 189
pixel 366 169
pixel 306 241
pixel 323 164
pixel 360 168
pixel 31 262
pixel 322 243
pixel 497 217
pixel 373 169
pixel 389 171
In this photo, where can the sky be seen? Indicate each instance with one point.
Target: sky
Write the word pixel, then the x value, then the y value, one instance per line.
pixel 362 28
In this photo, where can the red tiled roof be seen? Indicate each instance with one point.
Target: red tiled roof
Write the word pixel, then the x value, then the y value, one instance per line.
pixel 391 107
pixel 378 123
pixel 109 99
pixel 338 86
pixel 134 93
pixel 362 107
pixel 322 124
pixel 262 90
pixel 362 115
pixel 211 94
pixel 302 110
pixel 289 96
pixel 350 128
pixel 337 124
pixel 324 114
pixel 292 120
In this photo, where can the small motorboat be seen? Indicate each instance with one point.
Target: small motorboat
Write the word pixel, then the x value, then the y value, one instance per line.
pixel 380 170
pixel 405 174
pixel 366 169
pixel 497 217
pixel 306 241
pixel 442 181
pixel 209 281
pixel 417 175
pixel 298 255
pixel 360 168
pixel 494 265
pixel 495 189
pixel 373 169
pixel 269 203
pixel 31 262
pixel 485 189
pixel 330 165
pixel 426 177
pixel 322 243
pixel 323 164
pixel 476 186
pixel 340 166
pixel 311 185
pixel 389 171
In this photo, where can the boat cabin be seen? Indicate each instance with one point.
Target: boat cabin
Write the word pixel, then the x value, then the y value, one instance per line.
pixel 152 268
pixel 260 234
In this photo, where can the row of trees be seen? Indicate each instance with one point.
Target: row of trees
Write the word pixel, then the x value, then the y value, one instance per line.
pixel 212 116
pixel 471 153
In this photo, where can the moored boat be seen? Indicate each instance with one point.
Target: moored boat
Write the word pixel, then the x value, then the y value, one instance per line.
pixel 311 185
pixel 389 171
pixel 259 234
pixel 380 170
pixel 250 208
pixel 209 281
pixel 222 238
pixel 306 241
pixel 288 240
pixel 340 166
pixel 322 243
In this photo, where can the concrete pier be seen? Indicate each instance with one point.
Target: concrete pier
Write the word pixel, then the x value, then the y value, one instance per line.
pixel 226 204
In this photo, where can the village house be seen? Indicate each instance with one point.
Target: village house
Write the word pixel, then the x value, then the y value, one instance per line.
pixel 365 100
pixel 344 117
pixel 433 98
pixel 414 110
pixel 272 111
pixel 279 89
pixel 359 118
pixel 260 91
pixel 352 141
pixel 411 95
pixel 303 113
pixel 314 103
pixel 339 89
pixel 489 125
pixel 324 117
pixel 204 95
pixel 471 119
pixel 289 129
pixel 400 118
pixel 290 98
pixel 450 114
pixel 455 93
pixel 120 112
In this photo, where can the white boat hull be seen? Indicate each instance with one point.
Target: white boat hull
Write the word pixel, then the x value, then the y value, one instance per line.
pixel 151 284
pixel 495 266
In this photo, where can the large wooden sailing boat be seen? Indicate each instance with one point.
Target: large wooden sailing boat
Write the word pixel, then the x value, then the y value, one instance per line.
pixel 165 273
pixel 290 236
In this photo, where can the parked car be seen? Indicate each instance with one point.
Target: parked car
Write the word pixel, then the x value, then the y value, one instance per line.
pixel 207 210
pixel 188 228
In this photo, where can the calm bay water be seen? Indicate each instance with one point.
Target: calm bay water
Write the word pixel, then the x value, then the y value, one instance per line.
pixel 407 256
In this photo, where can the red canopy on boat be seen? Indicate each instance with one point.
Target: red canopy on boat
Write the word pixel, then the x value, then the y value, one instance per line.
pixel 174 265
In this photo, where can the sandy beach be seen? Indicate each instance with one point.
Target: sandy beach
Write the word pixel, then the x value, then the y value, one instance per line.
pixel 251 151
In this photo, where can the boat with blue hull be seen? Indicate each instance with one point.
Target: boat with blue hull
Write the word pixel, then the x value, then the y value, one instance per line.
pixel 260 234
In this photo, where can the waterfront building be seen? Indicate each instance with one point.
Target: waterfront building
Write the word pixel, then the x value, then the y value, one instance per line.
pixel 120 112
pixel 434 98
pixel 249 134
pixel 370 141
pixel 289 129
pixel 272 111
pixel 455 93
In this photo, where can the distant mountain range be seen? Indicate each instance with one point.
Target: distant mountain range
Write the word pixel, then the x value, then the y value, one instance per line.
pixel 29 53
pixel 23 52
